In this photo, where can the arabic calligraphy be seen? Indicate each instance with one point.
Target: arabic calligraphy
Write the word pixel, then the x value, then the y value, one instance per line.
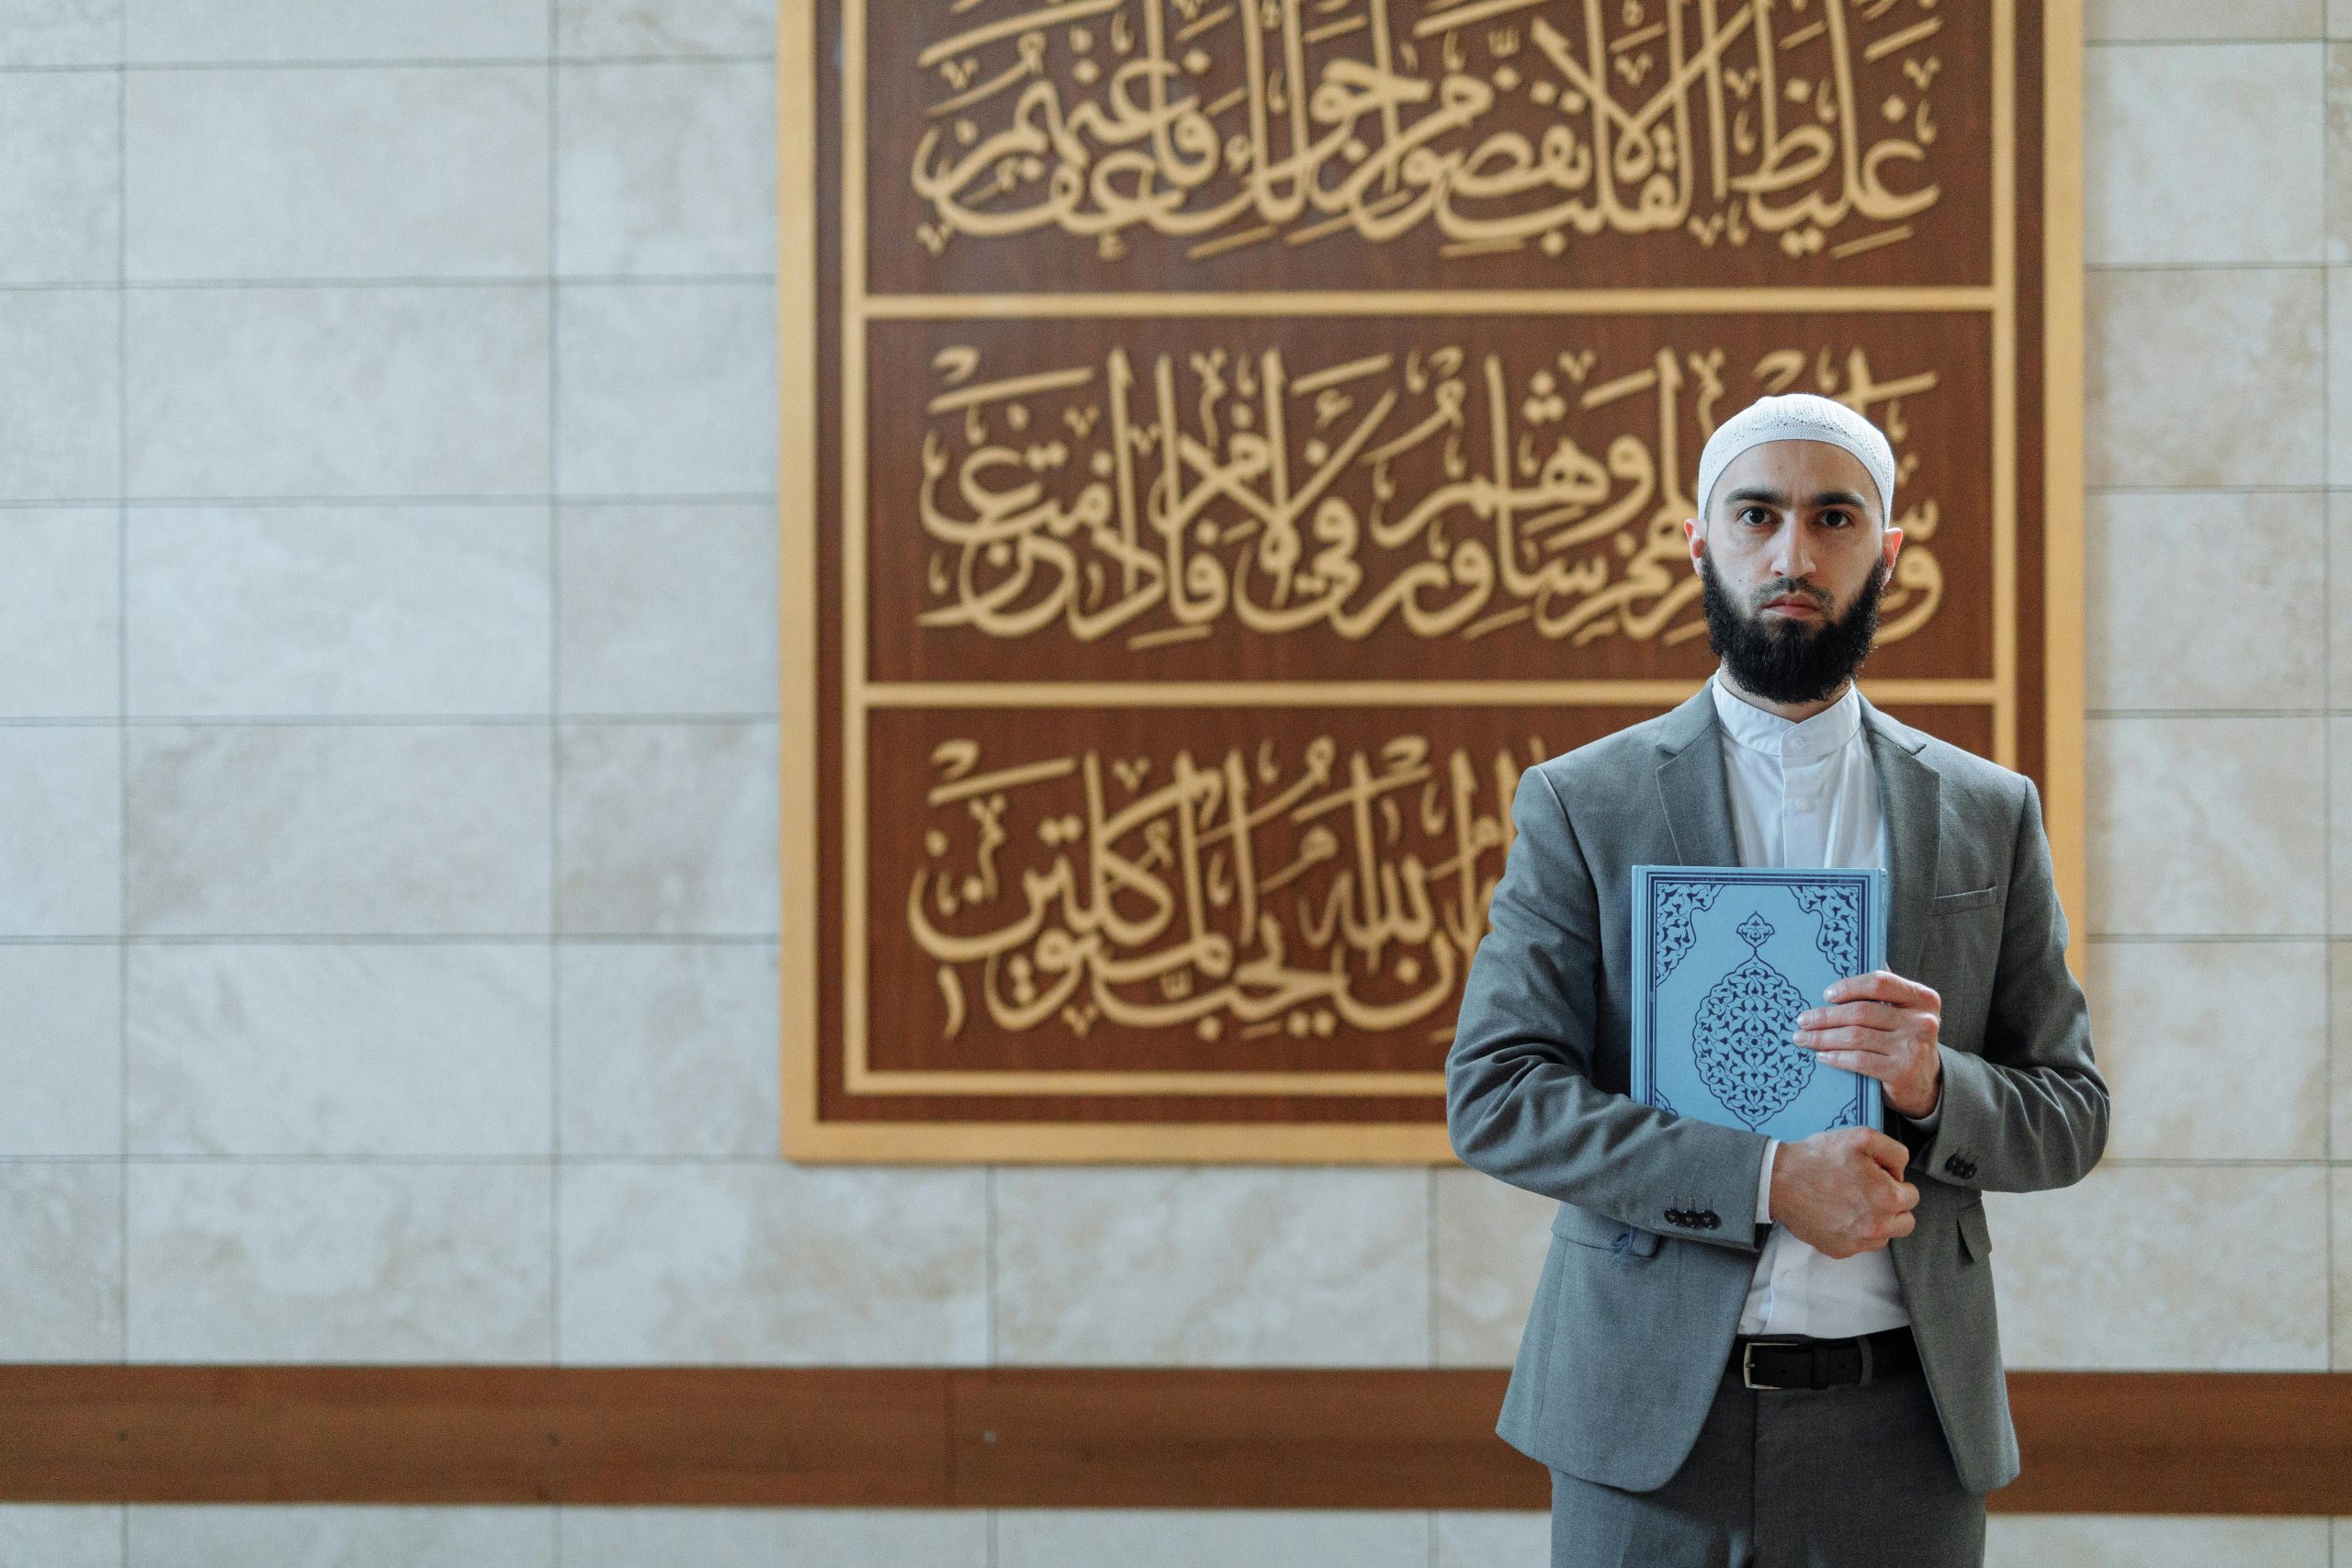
pixel 1297 889
pixel 1488 125
pixel 1161 498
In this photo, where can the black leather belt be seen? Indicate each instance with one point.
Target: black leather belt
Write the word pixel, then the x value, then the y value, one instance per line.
pixel 1791 1360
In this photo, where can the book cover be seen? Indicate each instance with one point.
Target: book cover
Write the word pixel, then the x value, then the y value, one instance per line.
pixel 1725 958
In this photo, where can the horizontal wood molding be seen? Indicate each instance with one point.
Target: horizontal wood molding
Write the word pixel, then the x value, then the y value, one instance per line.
pixel 2092 1442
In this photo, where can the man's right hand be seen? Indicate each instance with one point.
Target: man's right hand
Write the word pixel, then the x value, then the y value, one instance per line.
pixel 1842 1192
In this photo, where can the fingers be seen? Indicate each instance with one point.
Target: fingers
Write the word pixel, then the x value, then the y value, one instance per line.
pixel 1877 1016
pixel 1885 986
pixel 1853 1042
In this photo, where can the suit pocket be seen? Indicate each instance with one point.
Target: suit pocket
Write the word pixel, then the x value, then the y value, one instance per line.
pixel 1975 1236
pixel 1968 898
pixel 1587 1229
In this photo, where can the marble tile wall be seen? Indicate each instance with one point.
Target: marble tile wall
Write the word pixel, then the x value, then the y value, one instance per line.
pixel 388 755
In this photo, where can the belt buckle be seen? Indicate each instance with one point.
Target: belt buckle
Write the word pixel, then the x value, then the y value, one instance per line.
pixel 1747 1362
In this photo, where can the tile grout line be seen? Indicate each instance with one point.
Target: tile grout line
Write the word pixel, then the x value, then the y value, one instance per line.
pixel 123 732
pixel 555 752
pixel 2327 695
pixel 122 688
pixel 396 62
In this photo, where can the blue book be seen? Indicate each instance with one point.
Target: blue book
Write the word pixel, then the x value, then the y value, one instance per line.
pixel 1725 958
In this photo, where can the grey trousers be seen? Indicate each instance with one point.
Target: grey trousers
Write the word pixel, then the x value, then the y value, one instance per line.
pixel 1788 1478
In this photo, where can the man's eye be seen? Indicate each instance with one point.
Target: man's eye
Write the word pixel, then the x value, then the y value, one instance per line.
pixel 1755 514
pixel 1836 519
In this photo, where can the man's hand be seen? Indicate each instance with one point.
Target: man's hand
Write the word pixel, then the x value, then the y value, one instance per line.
pixel 1842 1191
pixel 1882 1026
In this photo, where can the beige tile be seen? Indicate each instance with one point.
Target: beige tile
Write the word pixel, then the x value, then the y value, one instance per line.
pixel 763 1537
pixel 2339 1034
pixel 669 827
pixel 1142 1537
pixel 350 610
pixel 379 172
pixel 61 1054
pixel 2165 1269
pixel 1490 1246
pixel 668 390
pixel 2212 1050
pixel 768 1262
pixel 61 1535
pixel 60 623
pixel 331 1536
pixel 311 1262
pixel 2339 373
pixel 1493 1539
pixel 61 830
pixel 648 29
pixel 411 391
pixel 60 32
pixel 338 831
pixel 2205 826
pixel 2339 1206
pixel 668 1050
pixel 61 1230
pixel 2203 155
pixel 2339 18
pixel 2176 1541
pixel 2339 830
pixel 1154 1266
pixel 666 168
pixel 2209 377
pixel 2337 612
pixel 2152 589
pixel 667 609
pixel 61 401
pixel 61 190
pixel 381 1050
pixel 177 31
pixel 2125 19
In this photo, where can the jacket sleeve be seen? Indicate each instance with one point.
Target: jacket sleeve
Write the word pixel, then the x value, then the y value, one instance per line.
pixel 1521 1103
pixel 2031 1112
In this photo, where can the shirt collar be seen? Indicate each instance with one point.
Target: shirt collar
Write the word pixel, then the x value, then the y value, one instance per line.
pixel 1791 740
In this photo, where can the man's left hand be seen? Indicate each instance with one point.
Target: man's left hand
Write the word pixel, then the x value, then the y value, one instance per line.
pixel 1884 1026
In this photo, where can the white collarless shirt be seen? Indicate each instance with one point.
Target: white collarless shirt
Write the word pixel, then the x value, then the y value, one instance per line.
pixel 1806 794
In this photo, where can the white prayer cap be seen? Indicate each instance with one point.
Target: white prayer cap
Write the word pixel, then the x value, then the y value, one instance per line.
pixel 1799 416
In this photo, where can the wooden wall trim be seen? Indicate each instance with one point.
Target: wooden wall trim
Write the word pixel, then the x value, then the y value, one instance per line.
pixel 2092 1442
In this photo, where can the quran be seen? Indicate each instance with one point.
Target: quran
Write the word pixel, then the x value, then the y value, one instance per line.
pixel 1725 958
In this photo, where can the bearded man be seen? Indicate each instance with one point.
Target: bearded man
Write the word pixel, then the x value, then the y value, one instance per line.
pixel 1745 1353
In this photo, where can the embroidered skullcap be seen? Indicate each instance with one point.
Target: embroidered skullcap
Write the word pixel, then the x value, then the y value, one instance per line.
pixel 1799 416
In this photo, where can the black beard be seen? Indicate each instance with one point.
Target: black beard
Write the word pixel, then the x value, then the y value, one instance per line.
pixel 1790 662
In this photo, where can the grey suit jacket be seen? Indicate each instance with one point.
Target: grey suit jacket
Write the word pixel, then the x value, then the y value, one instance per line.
pixel 1655 1241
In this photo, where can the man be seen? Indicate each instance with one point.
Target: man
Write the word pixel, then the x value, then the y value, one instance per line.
pixel 1744 1351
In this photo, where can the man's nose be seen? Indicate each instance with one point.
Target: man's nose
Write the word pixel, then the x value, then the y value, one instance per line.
pixel 1792 555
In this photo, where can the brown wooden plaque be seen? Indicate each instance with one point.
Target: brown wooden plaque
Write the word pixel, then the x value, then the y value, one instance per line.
pixel 1225 441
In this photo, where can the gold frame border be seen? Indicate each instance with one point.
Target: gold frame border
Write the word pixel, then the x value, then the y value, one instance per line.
pixel 805 1138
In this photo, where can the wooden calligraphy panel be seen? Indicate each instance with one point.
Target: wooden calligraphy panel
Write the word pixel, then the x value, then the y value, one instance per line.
pixel 1226 443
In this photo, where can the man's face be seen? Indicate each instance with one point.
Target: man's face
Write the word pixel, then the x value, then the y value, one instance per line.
pixel 1794 555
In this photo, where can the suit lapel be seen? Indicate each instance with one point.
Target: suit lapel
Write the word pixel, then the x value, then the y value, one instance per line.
pixel 1696 801
pixel 1690 783
pixel 1910 792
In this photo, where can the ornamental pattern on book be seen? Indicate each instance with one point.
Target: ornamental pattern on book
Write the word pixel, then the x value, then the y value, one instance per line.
pixel 1840 908
pixel 1743 1048
pixel 1677 903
